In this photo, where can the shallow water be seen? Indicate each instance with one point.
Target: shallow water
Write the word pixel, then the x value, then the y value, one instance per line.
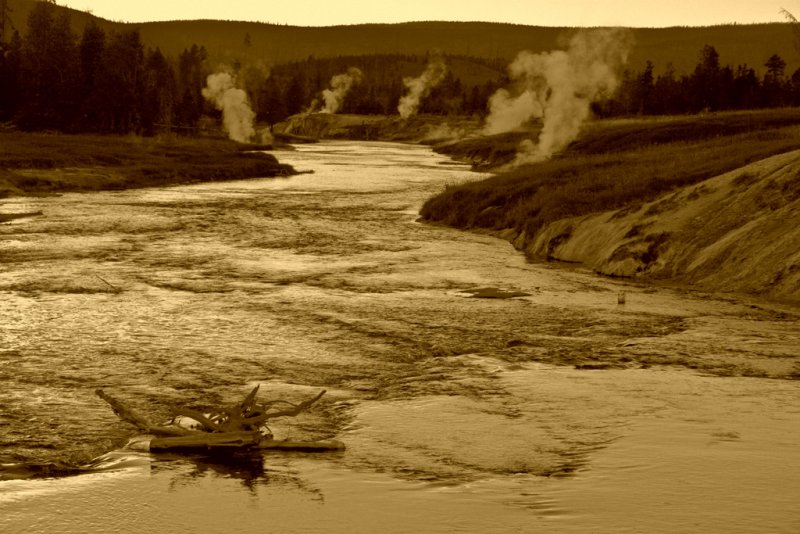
pixel 557 410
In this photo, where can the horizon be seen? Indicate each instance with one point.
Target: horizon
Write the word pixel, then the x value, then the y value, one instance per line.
pixel 568 13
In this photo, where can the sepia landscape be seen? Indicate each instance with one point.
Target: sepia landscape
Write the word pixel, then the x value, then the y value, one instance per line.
pixel 418 276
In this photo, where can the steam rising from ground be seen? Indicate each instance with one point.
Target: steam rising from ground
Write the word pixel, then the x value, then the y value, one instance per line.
pixel 558 87
pixel 340 86
pixel 237 115
pixel 420 87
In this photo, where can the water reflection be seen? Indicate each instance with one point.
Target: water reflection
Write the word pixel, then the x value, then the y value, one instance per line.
pixel 247 468
pixel 250 469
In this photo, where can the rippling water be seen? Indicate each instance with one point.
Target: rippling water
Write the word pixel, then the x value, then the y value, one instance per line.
pixel 558 410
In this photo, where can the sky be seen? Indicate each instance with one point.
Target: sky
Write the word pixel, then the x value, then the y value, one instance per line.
pixel 581 13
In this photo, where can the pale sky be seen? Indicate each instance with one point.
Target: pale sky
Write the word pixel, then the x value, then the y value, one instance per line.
pixel 634 13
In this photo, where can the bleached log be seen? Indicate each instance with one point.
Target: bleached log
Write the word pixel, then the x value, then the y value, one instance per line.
pixel 207 440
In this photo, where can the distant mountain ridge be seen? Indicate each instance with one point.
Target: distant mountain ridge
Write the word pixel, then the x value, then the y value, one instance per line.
pixel 228 41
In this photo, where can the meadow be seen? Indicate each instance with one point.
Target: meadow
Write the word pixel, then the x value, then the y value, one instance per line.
pixel 613 164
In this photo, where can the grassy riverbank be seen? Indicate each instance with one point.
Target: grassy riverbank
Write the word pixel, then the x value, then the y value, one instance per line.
pixel 40 163
pixel 694 200
pixel 615 164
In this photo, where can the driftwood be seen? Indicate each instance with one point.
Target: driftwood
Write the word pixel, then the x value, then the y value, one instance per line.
pixel 247 415
pixel 239 426
pixel 206 440
pixel 237 440
pixel 129 415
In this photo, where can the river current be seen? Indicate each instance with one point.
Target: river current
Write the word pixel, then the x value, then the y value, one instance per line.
pixel 557 410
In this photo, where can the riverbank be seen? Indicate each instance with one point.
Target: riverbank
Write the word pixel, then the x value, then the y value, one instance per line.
pixel 634 198
pixel 711 201
pixel 431 130
pixel 47 163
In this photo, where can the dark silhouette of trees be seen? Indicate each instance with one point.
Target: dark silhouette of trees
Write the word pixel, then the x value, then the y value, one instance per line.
pixel 91 49
pixel 293 87
pixel 706 81
pixel 710 87
pixel 775 82
pixel 10 76
pixel 159 95
pixel 48 70
pixel 110 82
pixel 746 88
pixel 122 83
pixel 51 79
pixel 192 74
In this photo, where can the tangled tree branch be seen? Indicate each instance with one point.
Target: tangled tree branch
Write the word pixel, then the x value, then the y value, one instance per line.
pixel 237 426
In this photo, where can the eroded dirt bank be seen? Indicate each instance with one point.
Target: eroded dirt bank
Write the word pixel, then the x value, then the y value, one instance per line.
pixel 738 232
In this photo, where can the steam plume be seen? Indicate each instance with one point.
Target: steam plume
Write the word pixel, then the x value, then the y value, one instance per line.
pixel 559 87
pixel 340 86
pixel 237 116
pixel 420 87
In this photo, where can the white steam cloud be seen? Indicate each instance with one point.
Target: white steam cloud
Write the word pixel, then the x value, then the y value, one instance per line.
pixel 559 87
pixel 340 86
pixel 420 87
pixel 237 115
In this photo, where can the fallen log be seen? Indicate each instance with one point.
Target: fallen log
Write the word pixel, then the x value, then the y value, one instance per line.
pixel 207 440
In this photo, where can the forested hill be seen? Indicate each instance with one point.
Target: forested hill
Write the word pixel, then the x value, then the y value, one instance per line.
pixel 228 41
pixel 751 44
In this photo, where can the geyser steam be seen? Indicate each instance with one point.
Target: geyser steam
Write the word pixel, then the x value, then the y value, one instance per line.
pixel 340 86
pixel 420 87
pixel 559 87
pixel 237 115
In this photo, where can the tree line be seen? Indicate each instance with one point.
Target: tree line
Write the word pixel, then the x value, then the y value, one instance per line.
pixel 294 87
pixel 710 87
pixel 111 83
pixel 53 79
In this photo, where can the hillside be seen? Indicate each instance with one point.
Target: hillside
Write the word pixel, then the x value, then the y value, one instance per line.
pixel 273 44
pixel 740 44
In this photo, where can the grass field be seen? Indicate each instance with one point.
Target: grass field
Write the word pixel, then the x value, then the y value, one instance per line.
pixel 613 165
pixel 38 163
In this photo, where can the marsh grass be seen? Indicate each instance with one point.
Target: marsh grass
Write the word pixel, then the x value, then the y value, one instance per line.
pixel 616 164
pixel 32 163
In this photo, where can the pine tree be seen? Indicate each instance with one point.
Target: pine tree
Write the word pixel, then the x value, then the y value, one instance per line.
pixel 10 81
pixel 49 70
pixel 91 52
pixel 192 73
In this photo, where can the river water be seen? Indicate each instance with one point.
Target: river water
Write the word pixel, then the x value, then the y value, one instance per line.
pixel 557 410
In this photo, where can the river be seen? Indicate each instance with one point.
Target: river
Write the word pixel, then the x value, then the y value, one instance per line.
pixel 557 409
